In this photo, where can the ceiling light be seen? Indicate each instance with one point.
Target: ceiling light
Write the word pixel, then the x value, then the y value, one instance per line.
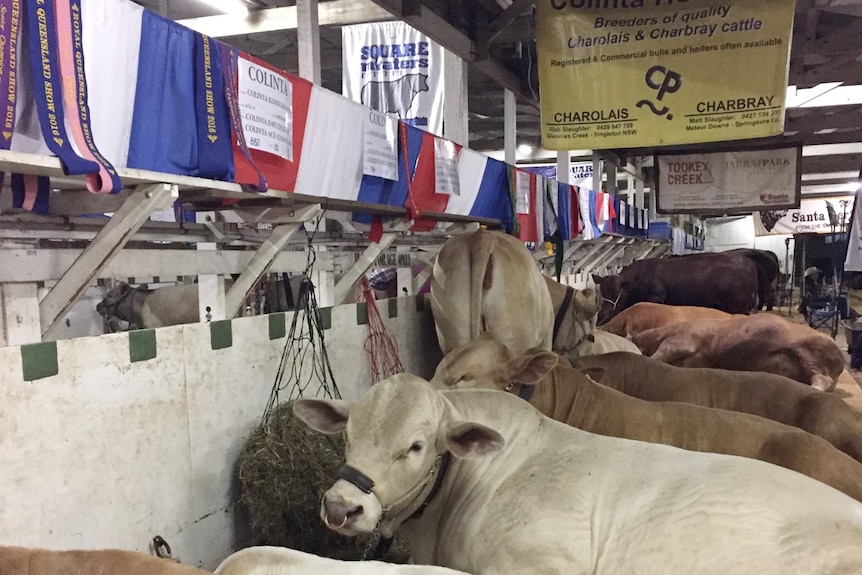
pixel 228 6
pixel 525 149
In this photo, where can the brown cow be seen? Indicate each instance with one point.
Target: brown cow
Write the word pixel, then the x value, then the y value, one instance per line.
pixel 26 561
pixel 720 281
pixel 772 396
pixel 567 395
pixel 647 315
pixel 762 342
pixel 768 270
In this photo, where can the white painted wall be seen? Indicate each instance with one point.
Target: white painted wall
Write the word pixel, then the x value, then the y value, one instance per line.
pixel 732 233
pixel 110 453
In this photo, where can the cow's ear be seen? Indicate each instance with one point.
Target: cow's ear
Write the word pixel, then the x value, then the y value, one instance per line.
pixel 324 415
pixel 595 373
pixel 468 440
pixel 124 288
pixel 531 367
pixel 597 279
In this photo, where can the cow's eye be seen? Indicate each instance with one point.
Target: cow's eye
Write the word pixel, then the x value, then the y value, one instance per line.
pixel 416 447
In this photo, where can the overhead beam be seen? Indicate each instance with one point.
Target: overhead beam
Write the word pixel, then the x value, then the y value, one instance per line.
pixel 512 13
pixel 420 17
pixel 263 259
pixel 104 247
pixel 334 13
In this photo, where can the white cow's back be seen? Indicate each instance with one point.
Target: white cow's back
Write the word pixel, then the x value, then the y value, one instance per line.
pixel 561 500
pixel 283 561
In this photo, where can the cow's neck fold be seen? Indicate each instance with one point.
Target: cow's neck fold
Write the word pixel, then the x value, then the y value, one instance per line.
pixel 393 518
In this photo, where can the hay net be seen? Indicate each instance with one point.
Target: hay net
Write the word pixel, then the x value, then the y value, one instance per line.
pixel 381 348
pixel 285 467
pixel 305 343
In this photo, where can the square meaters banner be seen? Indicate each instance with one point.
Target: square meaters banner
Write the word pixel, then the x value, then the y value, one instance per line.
pixel 393 68
pixel 635 73
pixel 734 182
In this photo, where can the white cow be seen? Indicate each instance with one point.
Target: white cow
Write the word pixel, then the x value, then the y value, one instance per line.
pixel 604 342
pixel 488 282
pixel 283 561
pixel 520 493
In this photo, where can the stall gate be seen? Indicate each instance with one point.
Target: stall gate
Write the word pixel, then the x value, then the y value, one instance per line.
pixel 108 441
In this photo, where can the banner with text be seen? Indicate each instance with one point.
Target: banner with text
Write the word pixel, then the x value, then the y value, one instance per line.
pixel 393 68
pixel 266 101
pixel 813 216
pixel 657 72
pixel 728 182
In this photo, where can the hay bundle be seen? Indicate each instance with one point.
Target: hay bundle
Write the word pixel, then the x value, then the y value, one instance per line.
pixel 284 469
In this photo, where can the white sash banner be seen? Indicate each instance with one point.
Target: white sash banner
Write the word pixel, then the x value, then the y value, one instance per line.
pixel 732 182
pixel 393 68
pixel 853 261
pixel 813 216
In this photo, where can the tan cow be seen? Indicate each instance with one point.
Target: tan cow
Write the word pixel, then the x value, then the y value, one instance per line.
pixel 761 342
pixel 480 481
pixel 569 396
pixel 27 561
pixel 772 396
pixel 266 560
pixel 488 282
pixel 151 308
pixel 647 315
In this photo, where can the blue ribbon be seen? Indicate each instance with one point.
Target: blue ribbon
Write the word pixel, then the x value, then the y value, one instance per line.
pixel 45 72
pixel 10 23
pixel 215 153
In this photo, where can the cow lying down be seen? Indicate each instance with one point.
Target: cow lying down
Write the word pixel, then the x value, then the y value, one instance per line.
pixel 569 396
pixel 27 561
pixel 647 315
pixel 282 561
pixel 604 342
pixel 480 481
pixel 762 342
pixel 772 396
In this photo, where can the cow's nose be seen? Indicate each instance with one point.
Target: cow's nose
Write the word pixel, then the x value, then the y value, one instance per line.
pixel 339 513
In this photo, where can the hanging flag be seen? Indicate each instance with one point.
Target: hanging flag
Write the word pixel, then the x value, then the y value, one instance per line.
pixel 853 260
pixel 393 68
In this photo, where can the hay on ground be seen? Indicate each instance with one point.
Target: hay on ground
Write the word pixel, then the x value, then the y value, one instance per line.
pixel 285 468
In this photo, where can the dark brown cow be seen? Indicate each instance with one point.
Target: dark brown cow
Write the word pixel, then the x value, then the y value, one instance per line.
pixel 761 342
pixel 767 274
pixel 716 280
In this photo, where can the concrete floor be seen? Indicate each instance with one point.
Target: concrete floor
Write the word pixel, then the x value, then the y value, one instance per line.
pixel 849 386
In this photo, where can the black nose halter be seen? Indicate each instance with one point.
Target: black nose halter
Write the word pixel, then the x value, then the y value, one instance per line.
pixel 366 485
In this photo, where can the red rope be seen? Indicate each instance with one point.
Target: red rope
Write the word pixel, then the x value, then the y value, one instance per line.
pixel 382 349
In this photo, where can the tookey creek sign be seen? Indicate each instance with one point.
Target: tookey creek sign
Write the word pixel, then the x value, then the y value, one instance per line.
pixel 733 182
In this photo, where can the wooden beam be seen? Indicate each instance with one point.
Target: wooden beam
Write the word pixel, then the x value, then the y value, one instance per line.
pixel 512 13
pixel 308 40
pixel 367 258
pixel 46 264
pixel 334 13
pixel 104 247
pixel 263 259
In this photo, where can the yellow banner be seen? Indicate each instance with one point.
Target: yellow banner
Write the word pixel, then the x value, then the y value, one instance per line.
pixel 635 73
